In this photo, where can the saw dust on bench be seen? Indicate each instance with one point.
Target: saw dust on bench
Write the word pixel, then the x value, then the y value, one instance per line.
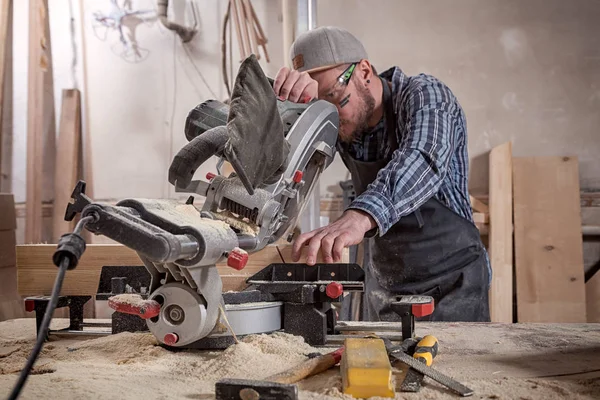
pixel 132 366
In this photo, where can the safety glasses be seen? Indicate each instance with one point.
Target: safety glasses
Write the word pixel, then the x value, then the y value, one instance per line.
pixel 338 89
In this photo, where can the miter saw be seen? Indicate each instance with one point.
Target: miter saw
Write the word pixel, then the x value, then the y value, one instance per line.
pixel 256 205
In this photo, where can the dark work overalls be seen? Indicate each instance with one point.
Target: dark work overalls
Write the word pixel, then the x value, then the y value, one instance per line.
pixel 433 251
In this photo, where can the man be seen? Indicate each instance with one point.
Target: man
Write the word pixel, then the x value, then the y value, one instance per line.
pixel 404 140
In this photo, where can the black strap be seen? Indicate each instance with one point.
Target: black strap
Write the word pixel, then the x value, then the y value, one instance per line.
pixel 390 118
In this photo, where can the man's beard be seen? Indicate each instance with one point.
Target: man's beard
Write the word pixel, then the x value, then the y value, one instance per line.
pixel 363 114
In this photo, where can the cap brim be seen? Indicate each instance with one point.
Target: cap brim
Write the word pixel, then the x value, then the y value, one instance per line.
pixel 323 68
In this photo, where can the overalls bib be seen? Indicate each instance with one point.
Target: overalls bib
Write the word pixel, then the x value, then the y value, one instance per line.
pixel 432 251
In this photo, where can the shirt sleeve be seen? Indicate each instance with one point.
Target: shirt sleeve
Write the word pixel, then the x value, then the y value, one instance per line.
pixel 418 167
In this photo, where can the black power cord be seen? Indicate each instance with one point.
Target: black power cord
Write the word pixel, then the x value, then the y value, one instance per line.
pixel 70 248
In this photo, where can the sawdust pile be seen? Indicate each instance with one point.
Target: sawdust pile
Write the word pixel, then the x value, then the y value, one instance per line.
pixel 133 366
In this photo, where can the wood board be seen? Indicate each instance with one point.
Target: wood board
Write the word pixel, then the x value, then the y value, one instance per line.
pixel 501 233
pixel 67 160
pixel 6 94
pixel 36 272
pixel 40 121
pixel 548 242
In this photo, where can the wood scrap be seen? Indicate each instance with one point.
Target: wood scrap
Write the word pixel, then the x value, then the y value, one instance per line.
pixel 36 271
pixel 481 218
pixel 548 242
pixel 67 160
pixel 501 233
pixel 478 205
pixel 40 121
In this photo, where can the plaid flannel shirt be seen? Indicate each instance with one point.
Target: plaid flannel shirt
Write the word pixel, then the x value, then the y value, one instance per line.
pixel 432 158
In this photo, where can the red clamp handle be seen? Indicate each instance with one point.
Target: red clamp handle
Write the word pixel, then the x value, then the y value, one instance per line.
pixel 423 309
pixel 237 259
pixel 142 308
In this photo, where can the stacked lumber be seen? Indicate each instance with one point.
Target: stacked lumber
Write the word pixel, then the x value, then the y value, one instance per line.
pixel 534 202
pixel 11 305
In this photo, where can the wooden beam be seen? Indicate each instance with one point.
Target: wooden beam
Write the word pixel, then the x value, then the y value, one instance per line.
pixel 67 160
pixel 36 271
pixel 548 242
pixel 6 94
pixel 40 121
pixel 501 233
pixel 86 159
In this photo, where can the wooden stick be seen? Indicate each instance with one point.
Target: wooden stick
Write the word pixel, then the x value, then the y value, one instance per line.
pixel 261 33
pixel 67 161
pixel 86 134
pixel 6 94
pixel 244 28
pixel 248 25
pixel 308 368
pixel 238 29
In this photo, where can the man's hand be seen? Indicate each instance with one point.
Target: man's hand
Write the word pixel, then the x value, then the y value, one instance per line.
pixel 348 230
pixel 297 87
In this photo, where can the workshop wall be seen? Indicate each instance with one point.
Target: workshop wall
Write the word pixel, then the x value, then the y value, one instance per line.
pixel 137 107
pixel 524 71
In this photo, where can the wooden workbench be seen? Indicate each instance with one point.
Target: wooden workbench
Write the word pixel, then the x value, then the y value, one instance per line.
pixel 498 361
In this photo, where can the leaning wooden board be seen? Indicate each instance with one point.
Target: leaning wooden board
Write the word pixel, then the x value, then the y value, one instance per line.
pixel 548 241
pixel 36 271
pixel 501 233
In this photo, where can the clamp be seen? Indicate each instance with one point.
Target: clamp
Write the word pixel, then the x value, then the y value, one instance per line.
pixel 409 307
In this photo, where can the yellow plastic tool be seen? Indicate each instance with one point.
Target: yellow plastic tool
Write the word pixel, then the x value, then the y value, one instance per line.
pixel 366 369
pixel 426 350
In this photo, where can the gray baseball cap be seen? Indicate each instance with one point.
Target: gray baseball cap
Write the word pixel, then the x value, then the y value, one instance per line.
pixel 325 47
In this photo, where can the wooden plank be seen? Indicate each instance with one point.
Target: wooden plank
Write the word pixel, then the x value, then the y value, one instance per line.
pixel 479 205
pixel 36 271
pixel 481 218
pixel 501 233
pixel 40 121
pixel 11 304
pixel 8 217
pixel 6 94
pixel 86 154
pixel 67 160
pixel 592 296
pixel 548 241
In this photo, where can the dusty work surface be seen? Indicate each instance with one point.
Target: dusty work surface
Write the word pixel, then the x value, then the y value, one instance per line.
pixel 497 361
